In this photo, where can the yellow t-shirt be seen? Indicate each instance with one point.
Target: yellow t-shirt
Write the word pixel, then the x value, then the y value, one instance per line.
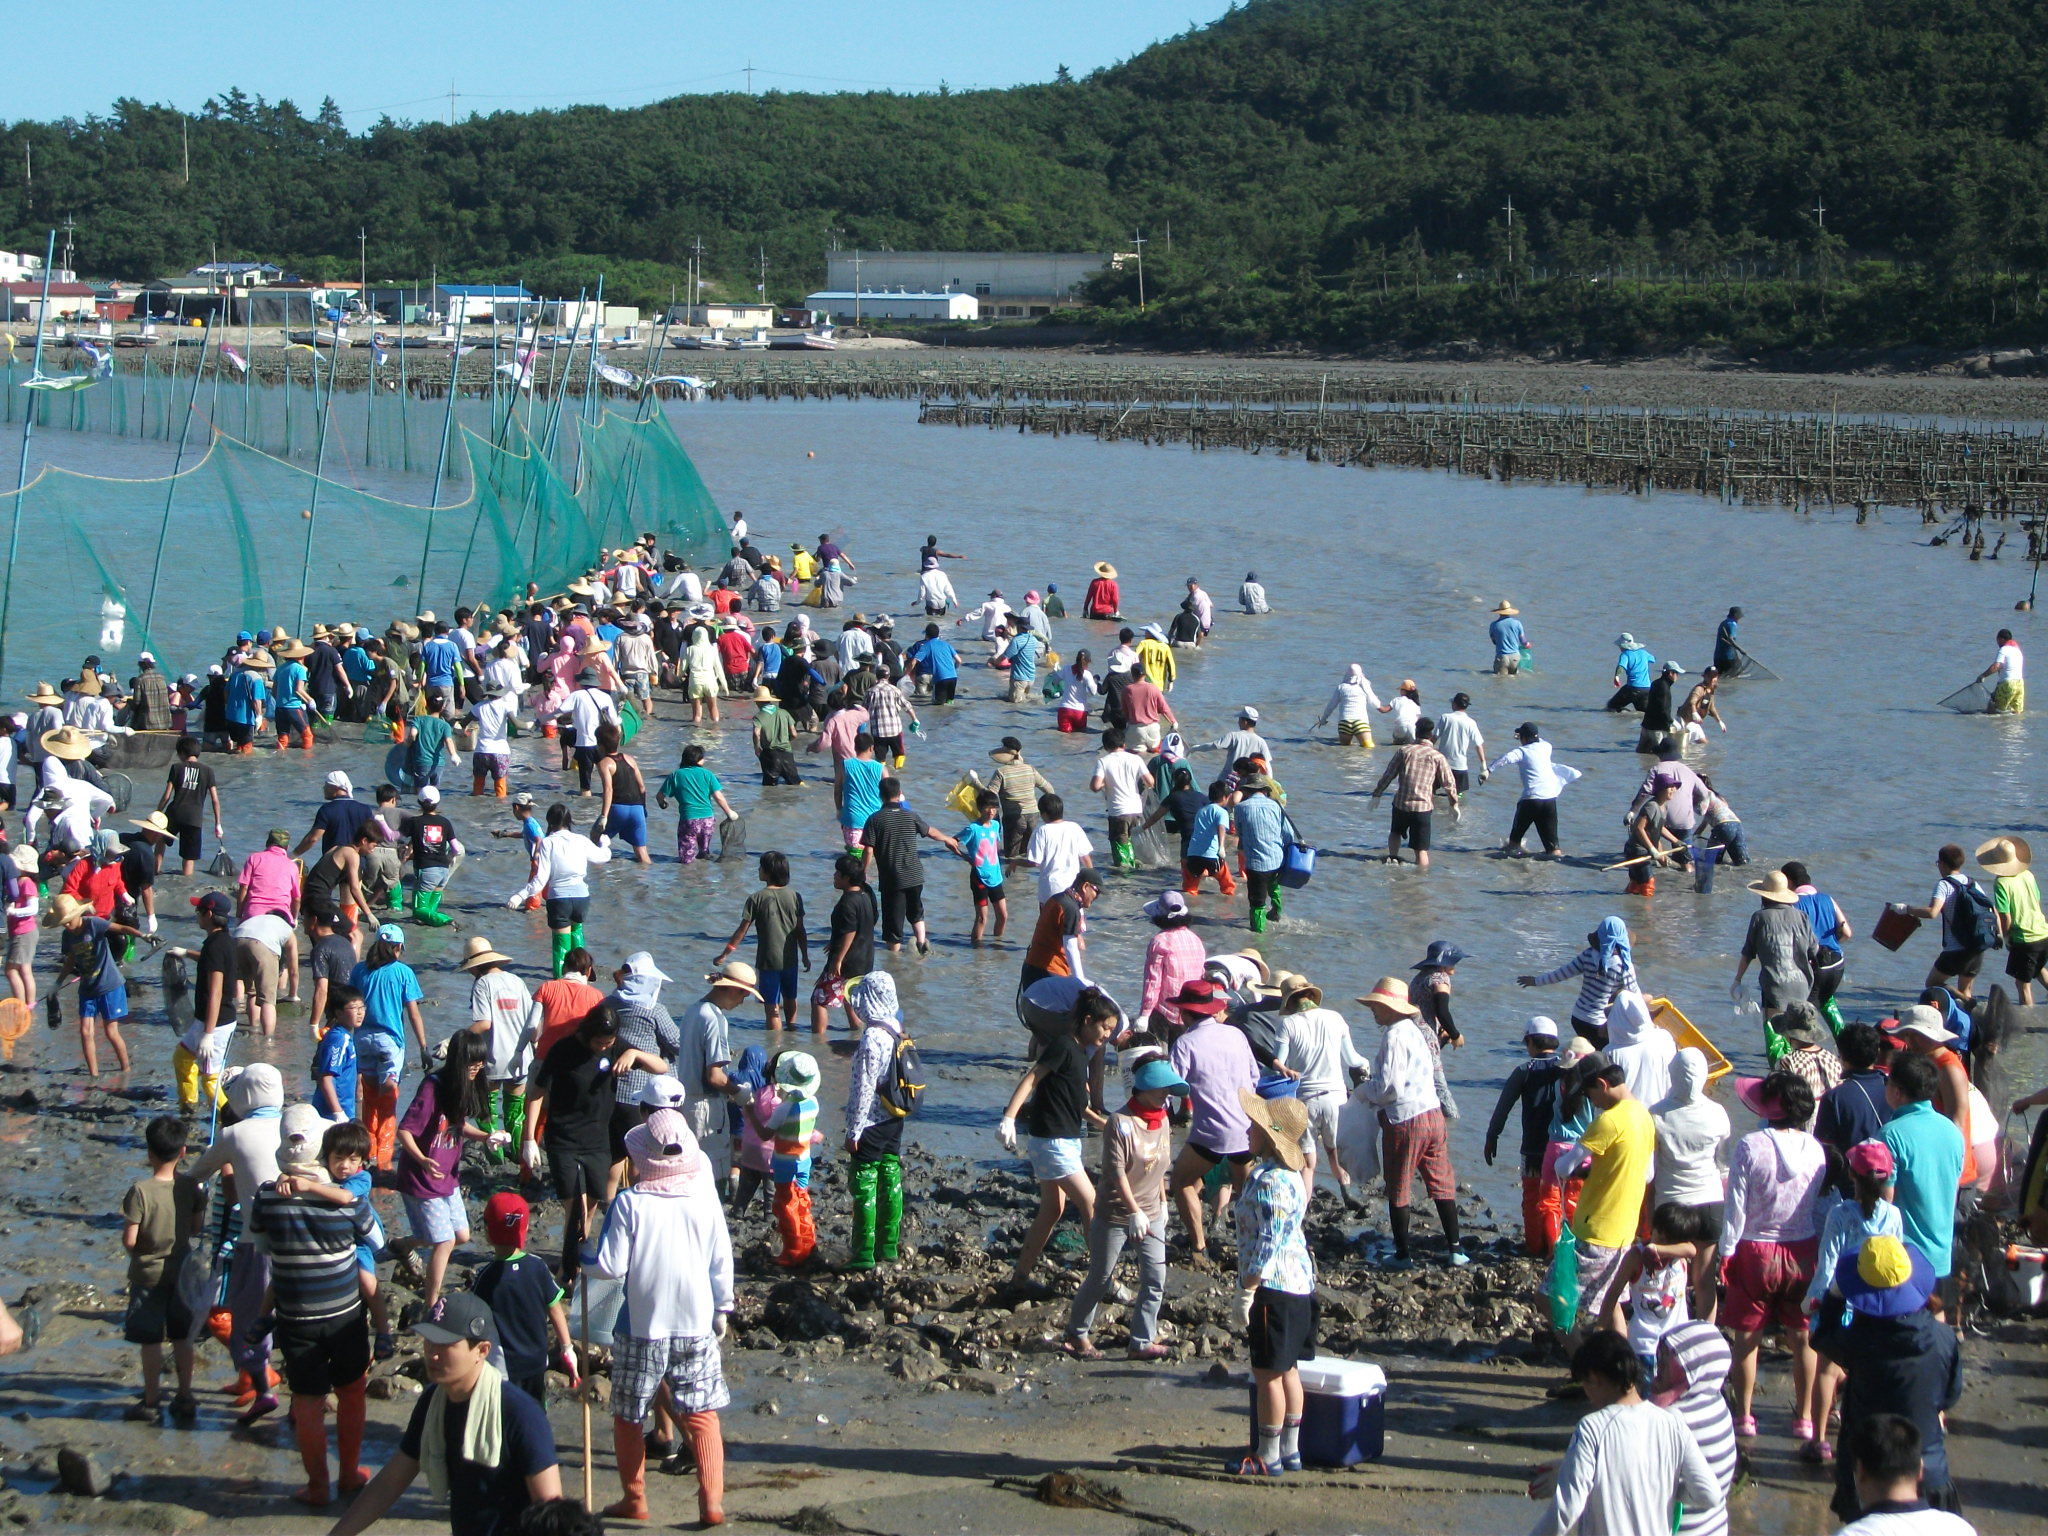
pixel 1623 1141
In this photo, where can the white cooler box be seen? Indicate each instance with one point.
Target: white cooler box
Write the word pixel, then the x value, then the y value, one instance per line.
pixel 1344 1412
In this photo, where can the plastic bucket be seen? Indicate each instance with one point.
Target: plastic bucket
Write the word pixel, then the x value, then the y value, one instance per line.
pixel 1703 862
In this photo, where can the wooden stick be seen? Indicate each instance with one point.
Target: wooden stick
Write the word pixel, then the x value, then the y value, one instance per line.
pixel 1645 858
pixel 582 1367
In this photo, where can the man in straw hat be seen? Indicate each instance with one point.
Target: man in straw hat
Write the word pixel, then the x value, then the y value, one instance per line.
pixel 774 736
pixel 1103 599
pixel 705 1054
pixel 666 1238
pixel 1510 642
pixel 1276 1279
pixel 1317 1052
pixel 1412 1133
pixel 499 1006
pixel 294 697
pixel 48 717
pixel 248 696
pixel 1780 943
pixel 2016 902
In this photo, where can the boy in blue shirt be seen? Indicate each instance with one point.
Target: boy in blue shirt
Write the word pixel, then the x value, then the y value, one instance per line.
pixel 522 1294
pixel 1206 837
pixel 981 844
pixel 334 1064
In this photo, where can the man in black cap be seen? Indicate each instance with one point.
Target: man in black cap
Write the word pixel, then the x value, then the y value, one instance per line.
pixel 489 1477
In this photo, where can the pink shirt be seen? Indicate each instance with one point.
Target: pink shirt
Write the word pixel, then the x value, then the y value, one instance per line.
pixel 1172 960
pixel 1144 704
pixel 837 736
pixel 22 892
pixel 270 883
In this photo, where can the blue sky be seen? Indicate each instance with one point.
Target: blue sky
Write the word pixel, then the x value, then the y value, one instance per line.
pixel 400 56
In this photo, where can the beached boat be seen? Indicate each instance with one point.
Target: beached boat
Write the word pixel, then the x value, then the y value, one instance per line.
pixel 1665 1015
pixel 819 340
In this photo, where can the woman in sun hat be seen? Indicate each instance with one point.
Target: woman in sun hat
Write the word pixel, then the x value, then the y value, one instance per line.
pixel 2016 903
pixel 24 901
pixel 666 1239
pixel 1781 944
pixel 1276 1279
pixel 500 1010
pixel 1413 1136
pixel 1103 599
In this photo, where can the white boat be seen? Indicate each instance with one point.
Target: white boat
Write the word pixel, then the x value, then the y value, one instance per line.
pixel 819 340
pixel 758 342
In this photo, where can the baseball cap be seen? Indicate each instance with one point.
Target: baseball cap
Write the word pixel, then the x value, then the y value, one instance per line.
pixel 1249 712
pixel 524 797
pixel 663 1092
pixel 214 904
pixel 391 933
pixel 339 780
pixel 429 795
pixel 1540 1027
pixel 1871 1159
pixel 458 1317
pixel 505 1218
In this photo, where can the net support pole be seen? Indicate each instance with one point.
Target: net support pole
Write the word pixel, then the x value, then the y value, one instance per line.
pixel 441 459
pixel 163 532
pixel 28 427
pixel 319 462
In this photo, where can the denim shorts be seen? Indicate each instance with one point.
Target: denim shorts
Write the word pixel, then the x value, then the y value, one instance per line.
pixel 431 877
pixel 1056 1157
pixel 437 1220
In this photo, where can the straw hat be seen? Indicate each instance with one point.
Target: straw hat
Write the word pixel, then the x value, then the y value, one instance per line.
pixel 1391 993
pixel 737 973
pixel 1105 570
pixel 155 823
pixel 63 909
pixel 425 616
pixel 593 647
pixel 403 631
pixel 293 650
pixel 1283 1122
pixel 1775 888
pixel 321 631
pixel 260 661
pixel 88 684
pixel 69 743
pixel 345 631
pixel 1293 985
pixel 45 694
pixel 2005 856
pixel 1506 609
pixel 765 696
pixel 23 856
pixel 477 951
pixel 1257 959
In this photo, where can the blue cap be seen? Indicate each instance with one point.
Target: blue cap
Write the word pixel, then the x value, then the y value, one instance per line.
pixel 391 933
pixel 1158 1073
pixel 244 635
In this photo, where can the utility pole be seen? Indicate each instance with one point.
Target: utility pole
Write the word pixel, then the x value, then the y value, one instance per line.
pixel 856 285
pixel 451 103
pixel 185 140
pixel 750 77
pixel 363 257
pixel 696 271
pixel 1511 230
pixel 69 225
pixel 762 287
pixel 1138 240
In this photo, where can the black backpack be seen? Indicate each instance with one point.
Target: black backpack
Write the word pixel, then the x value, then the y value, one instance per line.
pixel 1975 926
pixel 902 1086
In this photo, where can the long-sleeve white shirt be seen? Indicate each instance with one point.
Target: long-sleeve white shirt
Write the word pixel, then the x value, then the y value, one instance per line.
pixel 1458 738
pixel 561 865
pixel 1541 778
pixel 1350 701
pixel 674 1252
pixel 871 1058
pixel 1624 1469
pixel 70 825
pixel 990 614
pixel 935 590
pixel 1404 1074
pixel 1316 1042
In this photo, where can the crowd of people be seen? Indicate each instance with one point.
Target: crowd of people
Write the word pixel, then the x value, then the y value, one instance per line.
pixel 1678 1247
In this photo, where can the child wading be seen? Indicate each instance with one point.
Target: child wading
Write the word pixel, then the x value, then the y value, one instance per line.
pixel 795 1125
pixel 882 1093
pixel 1137 1149
pixel 1276 1298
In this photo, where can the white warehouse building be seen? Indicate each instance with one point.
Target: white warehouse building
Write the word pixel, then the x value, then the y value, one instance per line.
pixel 1010 284
pixel 893 304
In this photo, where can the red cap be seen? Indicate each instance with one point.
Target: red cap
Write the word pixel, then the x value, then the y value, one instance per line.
pixel 505 1216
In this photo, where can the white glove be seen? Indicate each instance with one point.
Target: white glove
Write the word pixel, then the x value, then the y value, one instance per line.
pixel 1241 1309
pixel 515 904
pixel 1006 1133
pixel 1140 1226
pixel 498 1139
pixel 149 922
pixel 1735 993
pixel 719 1324
pixel 529 1155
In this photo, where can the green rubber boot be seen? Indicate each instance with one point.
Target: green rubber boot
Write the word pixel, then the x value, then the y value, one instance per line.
pixel 862 1181
pixel 889 1208
pixel 1124 855
pixel 563 944
pixel 489 1122
pixel 576 937
pixel 394 899
pixel 1833 1015
pixel 1258 920
pixel 426 910
pixel 1274 909
pixel 515 1118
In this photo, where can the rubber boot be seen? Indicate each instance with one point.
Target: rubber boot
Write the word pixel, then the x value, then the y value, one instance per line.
pixel 476 782
pixel 306 738
pixel 562 945
pixel 1224 881
pixel 489 1122
pixel 1124 855
pixel 351 1407
pixel 515 1117
pixel 629 1445
pixel 1258 920
pixel 501 789
pixel 309 1424
pixel 707 1444
pixel 284 740
pixel 1833 1015
pixel 792 1215
pixel 862 1182
pixel 889 1208
pixel 426 910
pixel 1190 881
pixel 576 937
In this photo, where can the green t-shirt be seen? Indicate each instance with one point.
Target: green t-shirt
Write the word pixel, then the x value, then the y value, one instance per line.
pixel 777 914
pixel 776 728
pixel 2019 898
pixel 692 789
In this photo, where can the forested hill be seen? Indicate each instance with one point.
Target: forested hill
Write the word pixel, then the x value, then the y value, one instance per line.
pixel 1758 172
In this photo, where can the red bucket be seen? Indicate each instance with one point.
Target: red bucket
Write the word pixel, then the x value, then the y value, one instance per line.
pixel 1894 928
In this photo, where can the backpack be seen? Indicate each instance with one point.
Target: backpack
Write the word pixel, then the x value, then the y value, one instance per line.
pixel 1974 925
pixel 902 1086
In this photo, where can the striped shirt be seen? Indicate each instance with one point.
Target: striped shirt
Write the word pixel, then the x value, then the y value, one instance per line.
pixel 312 1247
pixel 1597 984
pixel 1703 1359
pixel 795 1119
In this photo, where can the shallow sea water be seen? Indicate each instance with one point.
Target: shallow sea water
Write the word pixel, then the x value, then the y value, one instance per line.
pixel 1847 763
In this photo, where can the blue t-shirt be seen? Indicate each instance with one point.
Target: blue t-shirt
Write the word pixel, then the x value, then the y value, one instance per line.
pixel 1261 832
pixel 386 991
pixel 1205 832
pixel 336 1058
pixel 1635 664
pixel 339 820
pixel 936 657
pixel 1927 1153
pixel 440 656
pixel 486 1501
pixel 984 845
pixel 355 661
pixel 1022 654
pixel 246 692
pixel 1507 636
pixel 519 1291
pixel 863 794
pixel 530 832
pixel 290 677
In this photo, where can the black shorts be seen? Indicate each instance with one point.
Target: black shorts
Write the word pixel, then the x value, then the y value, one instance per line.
pixel 1235 1159
pixel 624 1118
pixel 984 894
pixel 1283 1331
pixel 1413 825
pixel 901 904
pixel 191 840
pixel 321 1356
pixel 1711 1218
pixel 1959 962
pixel 1462 777
pixel 2023 962
pixel 567 911
pixel 579 1171
pixel 157 1316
